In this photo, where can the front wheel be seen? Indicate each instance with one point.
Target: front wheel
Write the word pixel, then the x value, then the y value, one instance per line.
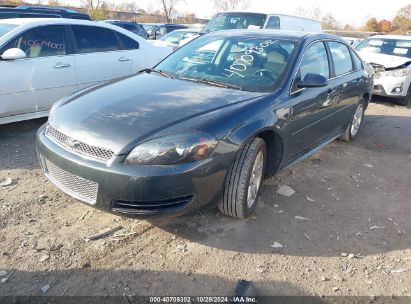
pixel 403 101
pixel 353 128
pixel 244 180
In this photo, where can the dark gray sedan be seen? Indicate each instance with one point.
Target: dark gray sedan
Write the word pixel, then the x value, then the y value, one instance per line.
pixel 207 124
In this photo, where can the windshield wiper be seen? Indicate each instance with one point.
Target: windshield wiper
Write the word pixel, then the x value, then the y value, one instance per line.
pixel 162 73
pixel 213 83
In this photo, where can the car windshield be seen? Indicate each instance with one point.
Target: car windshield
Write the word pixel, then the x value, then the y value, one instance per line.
pixel 245 63
pixel 5 28
pixel 235 21
pixel 395 47
pixel 176 36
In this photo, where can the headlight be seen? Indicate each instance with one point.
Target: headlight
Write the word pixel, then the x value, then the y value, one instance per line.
pixel 398 73
pixel 173 149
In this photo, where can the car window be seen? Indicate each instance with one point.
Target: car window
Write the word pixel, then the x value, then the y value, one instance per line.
pixel 357 61
pixel 315 61
pixel 341 58
pixel 273 23
pixel 91 39
pixel 386 46
pixel 253 64
pixel 128 43
pixel 41 42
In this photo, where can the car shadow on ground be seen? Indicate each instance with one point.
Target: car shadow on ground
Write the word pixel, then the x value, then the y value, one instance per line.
pixel 389 102
pixel 126 286
pixel 18 144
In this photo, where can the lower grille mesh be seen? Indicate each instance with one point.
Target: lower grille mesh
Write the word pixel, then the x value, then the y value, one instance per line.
pixel 76 186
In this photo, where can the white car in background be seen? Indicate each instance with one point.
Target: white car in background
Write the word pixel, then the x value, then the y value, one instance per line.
pixel 43 60
pixel 390 56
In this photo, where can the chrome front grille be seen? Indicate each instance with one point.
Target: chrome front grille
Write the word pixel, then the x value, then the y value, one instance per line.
pixel 79 147
pixel 76 186
pixel 378 70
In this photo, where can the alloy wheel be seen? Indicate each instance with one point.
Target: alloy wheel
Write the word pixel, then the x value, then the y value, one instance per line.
pixel 255 179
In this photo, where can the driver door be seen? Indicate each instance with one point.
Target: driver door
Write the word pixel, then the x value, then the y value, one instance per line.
pixel 34 83
pixel 311 119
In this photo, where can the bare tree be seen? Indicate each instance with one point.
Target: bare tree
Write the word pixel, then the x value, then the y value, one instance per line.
pixel 127 6
pixel 92 4
pixel 53 3
pixel 315 12
pixel 168 8
pixel 231 5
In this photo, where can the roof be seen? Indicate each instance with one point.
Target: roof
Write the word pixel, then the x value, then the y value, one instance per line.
pixel 40 21
pixel 30 22
pixel 295 35
pixel 391 37
pixel 268 14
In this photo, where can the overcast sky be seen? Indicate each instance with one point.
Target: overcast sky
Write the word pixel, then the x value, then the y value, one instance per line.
pixel 345 11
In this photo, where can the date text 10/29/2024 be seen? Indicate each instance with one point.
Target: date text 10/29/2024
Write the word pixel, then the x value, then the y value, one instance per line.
pixel 204 299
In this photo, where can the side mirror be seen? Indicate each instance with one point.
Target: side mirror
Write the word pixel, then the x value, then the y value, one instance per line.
pixel 13 54
pixel 312 80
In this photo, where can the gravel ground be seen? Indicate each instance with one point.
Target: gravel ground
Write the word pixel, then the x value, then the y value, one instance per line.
pixel 346 230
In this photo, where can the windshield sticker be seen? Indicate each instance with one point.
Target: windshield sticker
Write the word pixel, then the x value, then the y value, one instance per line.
pixel 240 65
pixel 400 51
pixel 41 43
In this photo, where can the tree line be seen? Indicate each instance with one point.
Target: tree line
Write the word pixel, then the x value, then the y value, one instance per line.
pixel 98 9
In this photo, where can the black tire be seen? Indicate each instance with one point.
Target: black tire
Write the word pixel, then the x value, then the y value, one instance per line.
pixel 403 101
pixel 235 200
pixel 348 134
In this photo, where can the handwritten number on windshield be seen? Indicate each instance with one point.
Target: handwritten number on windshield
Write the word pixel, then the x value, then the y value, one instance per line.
pixel 240 65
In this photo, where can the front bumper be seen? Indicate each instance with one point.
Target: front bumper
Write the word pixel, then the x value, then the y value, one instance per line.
pixel 133 189
pixel 391 86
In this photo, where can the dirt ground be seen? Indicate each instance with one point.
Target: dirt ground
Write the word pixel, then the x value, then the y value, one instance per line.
pixel 346 230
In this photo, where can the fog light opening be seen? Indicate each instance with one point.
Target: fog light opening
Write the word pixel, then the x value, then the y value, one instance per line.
pixel 397 90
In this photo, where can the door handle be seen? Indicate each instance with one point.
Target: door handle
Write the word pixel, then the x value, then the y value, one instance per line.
pixel 61 65
pixel 124 59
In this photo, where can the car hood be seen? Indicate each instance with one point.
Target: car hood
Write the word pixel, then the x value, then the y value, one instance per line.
pixel 129 111
pixel 388 61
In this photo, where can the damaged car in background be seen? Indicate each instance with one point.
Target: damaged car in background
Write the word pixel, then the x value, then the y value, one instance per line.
pixel 207 124
pixel 390 56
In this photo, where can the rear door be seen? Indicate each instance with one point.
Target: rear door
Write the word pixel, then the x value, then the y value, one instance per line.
pixel 99 55
pixel 348 81
pixel 34 83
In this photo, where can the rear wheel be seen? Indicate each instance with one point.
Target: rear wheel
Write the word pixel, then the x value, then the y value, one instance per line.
pixel 244 180
pixel 354 127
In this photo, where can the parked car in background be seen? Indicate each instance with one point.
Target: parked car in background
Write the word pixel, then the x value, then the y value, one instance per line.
pixel 207 124
pixel 390 56
pixel 157 30
pixel 248 20
pixel 42 60
pixel 41 12
pixel 353 40
pixel 136 28
pixel 174 38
